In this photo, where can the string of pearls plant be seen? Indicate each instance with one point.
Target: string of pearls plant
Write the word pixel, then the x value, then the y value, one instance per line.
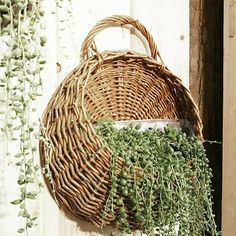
pixel 165 182
pixel 21 27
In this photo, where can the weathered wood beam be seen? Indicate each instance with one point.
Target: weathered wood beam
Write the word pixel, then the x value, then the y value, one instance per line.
pixel 206 80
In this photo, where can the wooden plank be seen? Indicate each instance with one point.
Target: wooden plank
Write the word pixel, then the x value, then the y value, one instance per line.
pixel 229 136
pixel 206 81
pixel 195 67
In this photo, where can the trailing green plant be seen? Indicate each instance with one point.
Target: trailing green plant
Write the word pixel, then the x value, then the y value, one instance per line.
pixel 66 23
pixel 22 63
pixel 165 182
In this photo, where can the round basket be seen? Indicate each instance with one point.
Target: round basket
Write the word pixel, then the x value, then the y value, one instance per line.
pixel 117 85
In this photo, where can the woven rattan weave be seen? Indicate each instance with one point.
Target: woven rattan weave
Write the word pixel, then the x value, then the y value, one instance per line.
pixel 118 85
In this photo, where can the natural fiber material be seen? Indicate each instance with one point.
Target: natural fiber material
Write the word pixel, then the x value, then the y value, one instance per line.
pixel 118 85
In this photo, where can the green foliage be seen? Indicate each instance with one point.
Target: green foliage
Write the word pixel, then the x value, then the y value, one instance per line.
pixel 22 63
pixel 165 181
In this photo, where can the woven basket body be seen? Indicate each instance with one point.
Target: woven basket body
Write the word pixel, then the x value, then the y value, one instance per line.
pixel 118 85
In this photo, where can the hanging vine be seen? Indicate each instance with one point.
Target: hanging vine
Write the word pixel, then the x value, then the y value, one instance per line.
pixel 22 63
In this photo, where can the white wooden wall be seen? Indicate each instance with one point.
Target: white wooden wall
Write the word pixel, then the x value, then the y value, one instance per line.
pixel 229 134
pixel 167 20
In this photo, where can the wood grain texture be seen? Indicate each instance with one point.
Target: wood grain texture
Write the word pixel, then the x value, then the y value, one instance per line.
pixel 229 136
pixel 195 65
pixel 206 81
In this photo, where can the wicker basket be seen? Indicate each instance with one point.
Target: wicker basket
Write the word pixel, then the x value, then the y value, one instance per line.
pixel 121 85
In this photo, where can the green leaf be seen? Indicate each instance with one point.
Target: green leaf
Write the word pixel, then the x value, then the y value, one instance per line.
pixel 26 147
pixel 36 167
pixel 29 180
pixel 42 62
pixel 17 128
pixel 29 224
pixel 3 129
pixel 20 213
pixel 6 17
pixel 43 40
pixel 21 230
pixel 21 181
pixel 16 202
pixel 31 195
pixel 22 195
pixel 18 155
pixel 19 163
pixel 3 8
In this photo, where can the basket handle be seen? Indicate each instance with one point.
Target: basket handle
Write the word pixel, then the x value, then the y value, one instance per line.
pixel 119 21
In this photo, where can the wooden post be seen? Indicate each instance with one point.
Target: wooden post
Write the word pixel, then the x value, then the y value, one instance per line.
pixel 206 81
pixel 229 135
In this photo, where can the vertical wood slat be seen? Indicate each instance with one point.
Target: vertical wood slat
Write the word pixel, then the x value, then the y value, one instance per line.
pixel 206 82
pixel 195 62
pixel 229 136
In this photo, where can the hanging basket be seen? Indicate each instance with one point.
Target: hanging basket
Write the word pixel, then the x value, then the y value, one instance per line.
pixel 117 85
